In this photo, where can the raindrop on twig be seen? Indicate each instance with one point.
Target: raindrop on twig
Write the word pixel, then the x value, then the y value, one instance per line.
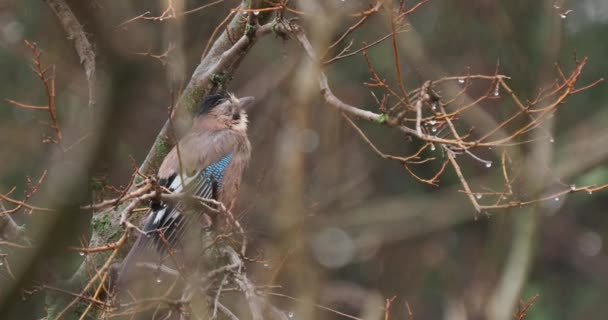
pixel 565 14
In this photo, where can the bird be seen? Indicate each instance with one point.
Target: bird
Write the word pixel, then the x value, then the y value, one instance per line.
pixel 208 162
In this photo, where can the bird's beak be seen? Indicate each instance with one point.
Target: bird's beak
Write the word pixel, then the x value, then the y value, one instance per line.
pixel 246 102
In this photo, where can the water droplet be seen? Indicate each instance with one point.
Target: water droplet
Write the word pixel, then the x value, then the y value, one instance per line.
pixel 573 187
pixel 478 196
pixel 1 263
pixel 489 164
pixel 434 106
pixel 255 13
pixel 81 253
pixel 159 280
pixel 556 199
pixel 496 92
pixel 433 129
pixel 556 5
pixel 161 19
pixel 565 14
pixel 460 80
pixel 432 122
pixel 267 265
pixel 551 140
pixel 590 192
pixel 290 313
pixel 432 147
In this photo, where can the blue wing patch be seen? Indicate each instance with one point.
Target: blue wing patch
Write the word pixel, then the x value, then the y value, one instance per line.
pixel 168 217
pixel 210 180
pixel 215 171
pixel 206 184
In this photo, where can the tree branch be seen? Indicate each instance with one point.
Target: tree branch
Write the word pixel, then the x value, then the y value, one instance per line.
pixel 83 46
pixel 9 230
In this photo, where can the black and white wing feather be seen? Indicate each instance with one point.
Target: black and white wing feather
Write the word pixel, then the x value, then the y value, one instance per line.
pixel 168 223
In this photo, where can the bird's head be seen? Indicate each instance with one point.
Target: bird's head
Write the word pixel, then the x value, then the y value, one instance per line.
pixel 224 111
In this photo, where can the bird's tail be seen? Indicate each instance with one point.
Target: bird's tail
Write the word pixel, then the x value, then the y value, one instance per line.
pixel 150 248
pixel 127 267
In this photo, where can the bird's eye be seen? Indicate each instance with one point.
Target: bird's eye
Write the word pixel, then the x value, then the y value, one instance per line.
pixel 236 116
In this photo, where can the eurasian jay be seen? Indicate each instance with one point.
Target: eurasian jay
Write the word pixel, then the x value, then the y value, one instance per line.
pixel 210 159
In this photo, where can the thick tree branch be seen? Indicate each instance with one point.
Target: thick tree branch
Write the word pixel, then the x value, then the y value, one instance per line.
pixel 83 46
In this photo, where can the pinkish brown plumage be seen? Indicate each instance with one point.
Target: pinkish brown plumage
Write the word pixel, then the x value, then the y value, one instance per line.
pixel 210 159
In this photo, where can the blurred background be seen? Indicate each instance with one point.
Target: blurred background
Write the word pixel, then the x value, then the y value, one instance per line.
pixel 329 220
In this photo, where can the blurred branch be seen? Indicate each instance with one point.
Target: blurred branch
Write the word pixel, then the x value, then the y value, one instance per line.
pixel 519 261
pixel 83 46
pixel 582 143
pixel 9 230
